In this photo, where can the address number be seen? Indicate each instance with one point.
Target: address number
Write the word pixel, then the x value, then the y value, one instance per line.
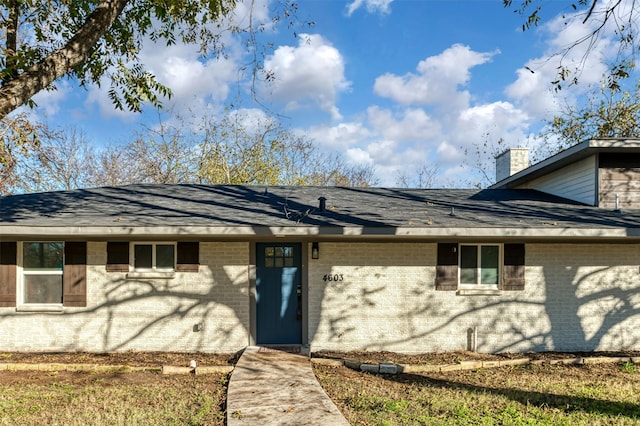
pixel 334 277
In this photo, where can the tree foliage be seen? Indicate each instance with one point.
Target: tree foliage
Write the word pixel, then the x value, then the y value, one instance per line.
pixel 90 40
pixel 98 42
pixel 608 113
pixel 237 150
pixel 18 136
pixel 233 150
pixel 618 17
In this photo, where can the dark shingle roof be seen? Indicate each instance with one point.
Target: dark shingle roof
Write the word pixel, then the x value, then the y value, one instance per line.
pixel 213 206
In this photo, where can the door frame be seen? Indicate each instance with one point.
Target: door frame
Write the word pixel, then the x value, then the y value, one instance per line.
pixel 305 246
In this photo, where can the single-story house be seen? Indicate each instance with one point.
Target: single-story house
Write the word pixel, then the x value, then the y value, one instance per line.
pixel 546 259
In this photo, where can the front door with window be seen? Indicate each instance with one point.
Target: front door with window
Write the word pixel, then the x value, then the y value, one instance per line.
pixel 278 293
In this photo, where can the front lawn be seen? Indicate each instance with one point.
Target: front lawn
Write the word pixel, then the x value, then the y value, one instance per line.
pixel 118 398
pixel 602 394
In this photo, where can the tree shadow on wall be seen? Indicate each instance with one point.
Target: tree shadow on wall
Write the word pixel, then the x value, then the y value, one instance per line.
pixel 579 306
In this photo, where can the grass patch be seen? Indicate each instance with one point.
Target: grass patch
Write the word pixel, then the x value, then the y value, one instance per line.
pixel 112 399
pixel 606 394
pixel 628 367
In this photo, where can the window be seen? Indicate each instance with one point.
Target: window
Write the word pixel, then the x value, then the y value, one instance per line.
pixel 480 265
pixel 278 257
pixel 43 276
pixel 480 268
pixel 42 267
pixel 154 256
pixel 183 256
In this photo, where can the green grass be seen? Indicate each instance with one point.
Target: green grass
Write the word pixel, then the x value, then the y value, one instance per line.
pixel 116 399
pixel 531 395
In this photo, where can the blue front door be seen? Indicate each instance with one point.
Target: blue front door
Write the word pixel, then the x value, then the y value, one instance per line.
pixel 278 293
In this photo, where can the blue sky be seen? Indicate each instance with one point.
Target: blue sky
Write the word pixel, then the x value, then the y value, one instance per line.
pixel 395 84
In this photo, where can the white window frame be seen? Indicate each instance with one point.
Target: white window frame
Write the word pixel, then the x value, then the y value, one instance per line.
pixel 21 272
pixel 478 285
pixel 153 244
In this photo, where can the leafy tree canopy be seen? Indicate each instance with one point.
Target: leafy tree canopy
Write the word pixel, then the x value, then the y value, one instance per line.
pixel 608 113
pixel 90 40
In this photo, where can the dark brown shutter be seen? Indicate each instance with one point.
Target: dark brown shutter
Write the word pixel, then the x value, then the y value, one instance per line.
pixel 8 258
pixel 118 256
pixel 188 256
pixel 74 274
pixel 513 267
pixel 447 268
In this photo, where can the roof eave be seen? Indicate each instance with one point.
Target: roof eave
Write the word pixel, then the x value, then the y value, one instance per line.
pixel 568 156
pixel 251 232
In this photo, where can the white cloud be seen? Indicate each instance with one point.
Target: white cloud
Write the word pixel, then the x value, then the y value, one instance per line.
pixel 532 90
pixel 412 124
pixel 450 154
pixel 339 136
pixel 99 96
pixel 372 6
pixel 447 134
pixel 250 11
pixel 195 82
pixel 191 78
pixel 308 75
pixel 48 101
pixel 252 120
pixel 399 139
pixel 359 156
pixel 437 80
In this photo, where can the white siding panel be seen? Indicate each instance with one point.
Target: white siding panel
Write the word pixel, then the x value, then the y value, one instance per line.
pixel 577 181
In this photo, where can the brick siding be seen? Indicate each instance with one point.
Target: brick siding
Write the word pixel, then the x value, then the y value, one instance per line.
pixel 381 296
pixel 577 298
pixel 146 314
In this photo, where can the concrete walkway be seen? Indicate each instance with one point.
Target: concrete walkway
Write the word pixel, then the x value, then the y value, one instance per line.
pixel 271 387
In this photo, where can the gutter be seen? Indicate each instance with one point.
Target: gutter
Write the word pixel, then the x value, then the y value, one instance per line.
pixel 14 232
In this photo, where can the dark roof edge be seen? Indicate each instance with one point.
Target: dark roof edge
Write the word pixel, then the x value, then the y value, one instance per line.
pixel 570 155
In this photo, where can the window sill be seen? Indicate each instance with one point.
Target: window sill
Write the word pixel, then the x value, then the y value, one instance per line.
pixel 151 275
pixel 37 308
pixel 478 292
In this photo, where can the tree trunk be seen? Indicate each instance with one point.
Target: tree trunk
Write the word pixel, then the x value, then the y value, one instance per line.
pixel 17 91
pixel 12 41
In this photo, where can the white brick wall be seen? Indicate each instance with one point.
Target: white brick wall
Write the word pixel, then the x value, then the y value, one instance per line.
pixel 150 314
pixel 577 297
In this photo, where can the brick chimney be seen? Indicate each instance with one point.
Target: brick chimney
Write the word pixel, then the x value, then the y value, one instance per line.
pixel 511 162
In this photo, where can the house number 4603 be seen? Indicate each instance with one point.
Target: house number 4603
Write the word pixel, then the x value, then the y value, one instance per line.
pixel 334 277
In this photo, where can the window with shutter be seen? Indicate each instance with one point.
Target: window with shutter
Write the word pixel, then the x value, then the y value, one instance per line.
pixel 52 273
pixel 183 256
pixel 484 267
